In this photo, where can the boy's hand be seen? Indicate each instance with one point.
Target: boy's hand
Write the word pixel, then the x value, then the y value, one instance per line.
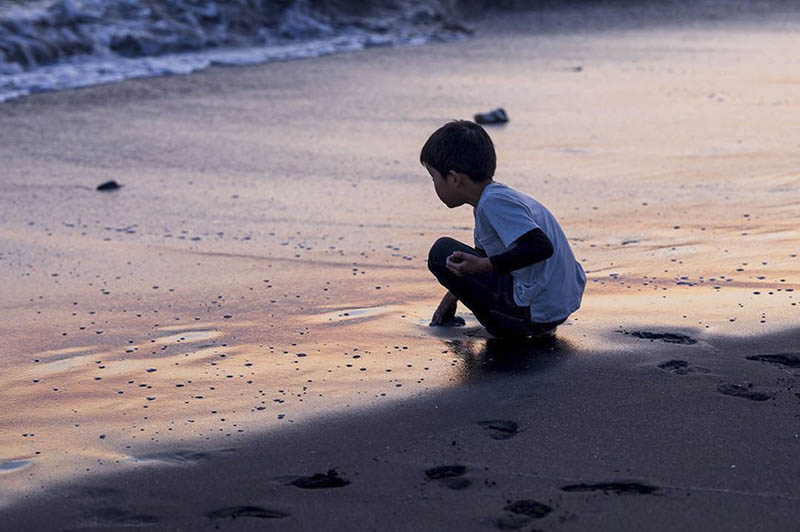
pixel 461 263
pixel 446 310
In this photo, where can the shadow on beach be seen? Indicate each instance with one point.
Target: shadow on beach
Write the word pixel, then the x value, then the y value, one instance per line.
pixel 518 418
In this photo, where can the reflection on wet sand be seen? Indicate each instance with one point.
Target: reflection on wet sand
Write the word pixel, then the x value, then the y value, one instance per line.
pixel 496 357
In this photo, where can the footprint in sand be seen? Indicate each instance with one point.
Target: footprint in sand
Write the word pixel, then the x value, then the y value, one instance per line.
pixel 734 390
pixel 522 512
pixel 681 367
pixel 449 475
pixel 784 360
pixel 121 518
pixel 670 338
pixel 614 487
pixel 529 507
pixel 331 479
pixel 235 512
pixel 512 522
pixel 500 429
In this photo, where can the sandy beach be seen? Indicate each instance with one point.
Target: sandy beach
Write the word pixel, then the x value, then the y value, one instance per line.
pixel 238 337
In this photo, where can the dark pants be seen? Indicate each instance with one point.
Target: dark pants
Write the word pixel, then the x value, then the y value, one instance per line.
pixel 488 295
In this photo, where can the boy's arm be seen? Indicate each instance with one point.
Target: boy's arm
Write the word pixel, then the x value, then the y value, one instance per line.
pixel 446 310
pixel 530 248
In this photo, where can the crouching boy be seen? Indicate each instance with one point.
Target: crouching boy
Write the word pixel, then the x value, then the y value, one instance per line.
pixel 521 278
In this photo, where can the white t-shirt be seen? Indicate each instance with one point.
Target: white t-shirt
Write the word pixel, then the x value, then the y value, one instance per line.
pixel 552 288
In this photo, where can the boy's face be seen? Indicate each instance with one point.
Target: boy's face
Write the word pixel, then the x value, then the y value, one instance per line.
pixel 445 187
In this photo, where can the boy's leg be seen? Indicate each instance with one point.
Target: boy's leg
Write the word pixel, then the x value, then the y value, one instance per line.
pixel 487 295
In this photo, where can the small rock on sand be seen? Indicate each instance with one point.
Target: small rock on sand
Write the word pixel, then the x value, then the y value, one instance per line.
pixel 497 116
pixel 109 185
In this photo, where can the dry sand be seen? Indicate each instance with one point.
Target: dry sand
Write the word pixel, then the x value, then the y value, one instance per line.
pixel 251 307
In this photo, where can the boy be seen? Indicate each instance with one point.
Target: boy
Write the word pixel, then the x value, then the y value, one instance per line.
pixel 521 279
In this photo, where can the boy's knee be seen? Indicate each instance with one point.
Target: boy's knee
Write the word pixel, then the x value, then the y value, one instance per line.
pixel 437 256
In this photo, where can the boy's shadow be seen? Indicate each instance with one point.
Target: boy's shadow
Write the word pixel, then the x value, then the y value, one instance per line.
pixel 494 357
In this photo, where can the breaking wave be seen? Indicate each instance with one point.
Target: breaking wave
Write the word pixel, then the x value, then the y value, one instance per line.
pixel 48 45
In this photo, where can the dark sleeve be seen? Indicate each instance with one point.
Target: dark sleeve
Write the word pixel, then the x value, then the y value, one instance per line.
pixel 481 253
pixel 530 248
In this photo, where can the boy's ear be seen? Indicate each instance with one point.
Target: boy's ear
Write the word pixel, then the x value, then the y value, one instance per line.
pixel 458 177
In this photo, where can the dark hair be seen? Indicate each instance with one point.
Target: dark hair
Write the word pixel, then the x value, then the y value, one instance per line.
pixel 461 146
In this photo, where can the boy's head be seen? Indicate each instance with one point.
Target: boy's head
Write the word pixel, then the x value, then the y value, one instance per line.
pixel 460 146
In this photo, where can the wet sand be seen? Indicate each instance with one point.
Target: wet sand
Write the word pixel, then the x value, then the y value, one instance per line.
pixel 251 307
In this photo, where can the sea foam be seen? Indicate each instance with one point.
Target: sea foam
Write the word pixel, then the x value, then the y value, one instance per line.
pixel 63 44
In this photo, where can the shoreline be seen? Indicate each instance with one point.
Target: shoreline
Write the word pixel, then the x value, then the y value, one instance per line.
pixel 552 17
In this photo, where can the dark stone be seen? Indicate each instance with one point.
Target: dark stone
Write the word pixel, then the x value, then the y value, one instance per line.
pixel 497 116
pixel 109 185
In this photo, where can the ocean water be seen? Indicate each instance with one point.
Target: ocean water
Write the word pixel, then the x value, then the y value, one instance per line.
pixel 48 45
